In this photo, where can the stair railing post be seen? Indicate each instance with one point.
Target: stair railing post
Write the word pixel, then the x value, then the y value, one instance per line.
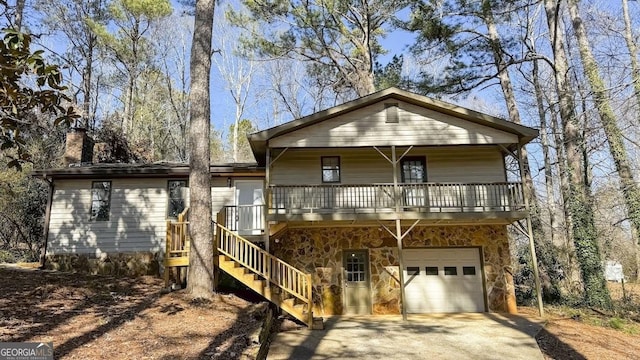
pixel 310 299
pixel 267 270
pixel 167 250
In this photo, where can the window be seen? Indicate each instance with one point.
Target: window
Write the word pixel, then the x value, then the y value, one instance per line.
pixel 450 270
pixel 413 170
pixel 411 270
pixel 330 169
pixel 100 200
pixel 431 270
pixel 355 266
pixel 468 270
pixel 178 190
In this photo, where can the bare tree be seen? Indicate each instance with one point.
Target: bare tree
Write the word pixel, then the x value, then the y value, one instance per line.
pixel 295 93
pixel 172 35
pixel 579 200
pixel 237 70
pixel 629 187
pixel 633 51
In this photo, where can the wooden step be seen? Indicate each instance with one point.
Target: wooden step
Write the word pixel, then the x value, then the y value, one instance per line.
pixel 290 301
pixel 296 307
pixel 292 305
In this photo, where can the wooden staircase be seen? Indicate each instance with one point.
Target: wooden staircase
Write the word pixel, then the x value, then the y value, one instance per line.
pixel 269 276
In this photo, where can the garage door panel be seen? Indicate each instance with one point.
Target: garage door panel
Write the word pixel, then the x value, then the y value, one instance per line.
pixel 456 286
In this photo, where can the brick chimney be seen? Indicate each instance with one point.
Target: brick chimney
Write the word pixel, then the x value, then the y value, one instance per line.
pixel 78 149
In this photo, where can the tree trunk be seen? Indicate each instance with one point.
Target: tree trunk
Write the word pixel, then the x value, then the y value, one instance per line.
pixel 635 78
pixel 633 53
pixel 579 204
pixel 128 101
pixel 19 14
pixel 542 245
pixel 561 159
pixel 235 138
pixel 86 84
pixel 629 187
pixel 201 279
pixel 544 140
pixel 514 115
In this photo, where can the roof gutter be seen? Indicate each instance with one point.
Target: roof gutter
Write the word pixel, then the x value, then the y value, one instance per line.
pixel 134 172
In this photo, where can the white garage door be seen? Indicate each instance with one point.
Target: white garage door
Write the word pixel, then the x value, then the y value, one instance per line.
pixel 443 280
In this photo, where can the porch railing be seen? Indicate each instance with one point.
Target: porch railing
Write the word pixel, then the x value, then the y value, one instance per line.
pixel 246 219
pixel 427 197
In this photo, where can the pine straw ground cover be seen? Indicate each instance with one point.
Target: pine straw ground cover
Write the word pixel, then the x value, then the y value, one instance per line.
pixel 100 317
pixel 572 333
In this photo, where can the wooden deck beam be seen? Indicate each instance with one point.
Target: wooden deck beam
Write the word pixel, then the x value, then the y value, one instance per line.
pixel 502 217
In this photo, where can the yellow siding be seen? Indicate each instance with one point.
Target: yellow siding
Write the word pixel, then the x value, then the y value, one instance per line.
pixel 136 222
pixel 367 166
pixel 137 219
pixel 465 165
pixel 221 195
pixel 417 126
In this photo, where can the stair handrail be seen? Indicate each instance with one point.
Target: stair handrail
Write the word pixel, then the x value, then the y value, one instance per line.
pixel 182 217
pixel 300 289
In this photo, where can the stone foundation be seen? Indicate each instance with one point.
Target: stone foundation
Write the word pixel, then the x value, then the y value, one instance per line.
pixel 117 264
pixel 319 251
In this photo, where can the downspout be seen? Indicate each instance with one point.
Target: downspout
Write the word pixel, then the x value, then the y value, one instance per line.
pixel 47 219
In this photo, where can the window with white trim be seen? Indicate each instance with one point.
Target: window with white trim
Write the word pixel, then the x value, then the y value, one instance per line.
pixel 330 169
pixel 100 200
pixel 177 199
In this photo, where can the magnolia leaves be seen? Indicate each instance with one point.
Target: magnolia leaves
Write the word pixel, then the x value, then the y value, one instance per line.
pixel 28 86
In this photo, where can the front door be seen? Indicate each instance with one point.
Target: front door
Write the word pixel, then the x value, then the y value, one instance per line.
pixel 357 291
pixel 250 205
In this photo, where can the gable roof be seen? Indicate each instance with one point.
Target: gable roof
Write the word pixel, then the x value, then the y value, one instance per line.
pixel 259 140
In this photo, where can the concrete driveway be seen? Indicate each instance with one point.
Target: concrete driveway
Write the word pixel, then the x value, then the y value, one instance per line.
pixel 433 337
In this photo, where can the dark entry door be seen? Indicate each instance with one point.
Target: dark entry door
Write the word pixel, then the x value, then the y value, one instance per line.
pixel 357 291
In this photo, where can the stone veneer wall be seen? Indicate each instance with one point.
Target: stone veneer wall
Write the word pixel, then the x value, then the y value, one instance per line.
pixel 319 251
pixel 119 264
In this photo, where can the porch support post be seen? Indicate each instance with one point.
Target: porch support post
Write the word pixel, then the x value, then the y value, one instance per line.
pixel 267 195
pixel 399 236
pixel 532 247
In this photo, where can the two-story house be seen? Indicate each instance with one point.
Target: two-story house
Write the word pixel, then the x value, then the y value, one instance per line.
pixel 390 203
